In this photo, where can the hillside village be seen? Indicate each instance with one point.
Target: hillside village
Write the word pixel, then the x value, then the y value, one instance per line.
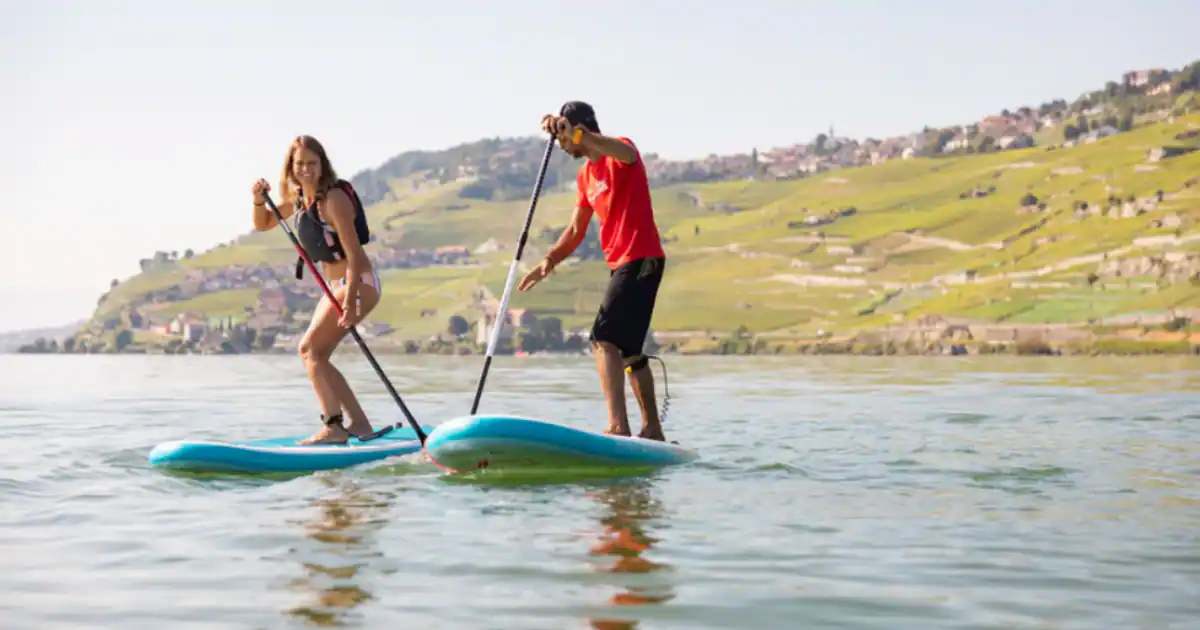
pixel 279 306
pixel 1090 118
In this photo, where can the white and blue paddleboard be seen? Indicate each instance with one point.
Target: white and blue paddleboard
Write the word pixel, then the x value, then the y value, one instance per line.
pixel 275 455
pixel 497 441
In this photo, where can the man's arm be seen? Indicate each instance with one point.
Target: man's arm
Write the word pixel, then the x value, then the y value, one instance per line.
pixel 621 151
pixel 571 237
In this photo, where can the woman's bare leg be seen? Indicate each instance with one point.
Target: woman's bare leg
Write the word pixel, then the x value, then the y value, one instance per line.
pixel 358 424
pixel 327 398
pixel 316 348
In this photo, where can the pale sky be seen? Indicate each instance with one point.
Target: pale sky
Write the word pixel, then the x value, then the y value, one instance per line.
pixel 130 126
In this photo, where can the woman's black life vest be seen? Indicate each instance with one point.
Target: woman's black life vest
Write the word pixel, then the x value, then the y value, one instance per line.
pixel 318 238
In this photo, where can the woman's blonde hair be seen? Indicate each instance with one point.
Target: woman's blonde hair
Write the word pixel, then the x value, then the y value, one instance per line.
pixel 286 180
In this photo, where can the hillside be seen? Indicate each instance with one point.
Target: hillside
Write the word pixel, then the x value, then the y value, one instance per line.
pixel 1085 230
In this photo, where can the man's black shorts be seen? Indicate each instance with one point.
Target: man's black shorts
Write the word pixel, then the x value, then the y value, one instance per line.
pixel 628 306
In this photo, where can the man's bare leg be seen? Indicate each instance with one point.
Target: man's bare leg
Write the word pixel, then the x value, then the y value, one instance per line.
pixel 608 364
pixel 641 379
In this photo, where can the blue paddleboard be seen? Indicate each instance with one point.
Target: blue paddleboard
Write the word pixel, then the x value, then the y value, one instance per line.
pixel 498 441
pixel 281 454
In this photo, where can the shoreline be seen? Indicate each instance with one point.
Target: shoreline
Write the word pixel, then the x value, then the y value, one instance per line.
pixel 1176 334
pixel 1101 347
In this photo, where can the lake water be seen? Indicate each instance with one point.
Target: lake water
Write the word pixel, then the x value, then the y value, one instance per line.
pixel 842 492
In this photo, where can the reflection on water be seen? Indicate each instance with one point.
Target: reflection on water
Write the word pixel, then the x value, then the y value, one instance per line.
pixel 629 510
pixel 341 546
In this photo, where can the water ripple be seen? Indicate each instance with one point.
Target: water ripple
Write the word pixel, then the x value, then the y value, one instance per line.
pixel 832 492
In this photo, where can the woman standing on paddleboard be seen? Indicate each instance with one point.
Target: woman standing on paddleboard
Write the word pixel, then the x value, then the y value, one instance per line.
pixel 327 213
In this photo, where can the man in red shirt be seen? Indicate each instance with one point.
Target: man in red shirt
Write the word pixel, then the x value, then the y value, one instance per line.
pixel 613 185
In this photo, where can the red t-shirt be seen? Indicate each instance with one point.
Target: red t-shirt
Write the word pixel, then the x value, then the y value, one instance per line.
pixel 619 194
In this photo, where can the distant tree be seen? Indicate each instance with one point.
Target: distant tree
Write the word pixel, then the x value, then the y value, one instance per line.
pixel 123 339
pixel 1070 132
pixel 943 138
pixel 1028 200
pixel 68 344
pixel 188 253
pixel 244 335
pixel 264 340
pixel 478 190
pixel 528 341
pixel 574 343
pixel 1187 79
pixel 1126 122
pixel 458 326
pixel 113 284
pixel 551 331
pixel 37 347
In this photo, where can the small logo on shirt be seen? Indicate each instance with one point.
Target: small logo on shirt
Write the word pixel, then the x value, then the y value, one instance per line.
pixel 597 188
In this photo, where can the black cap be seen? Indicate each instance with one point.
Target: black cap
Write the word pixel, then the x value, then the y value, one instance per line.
pixel 580 113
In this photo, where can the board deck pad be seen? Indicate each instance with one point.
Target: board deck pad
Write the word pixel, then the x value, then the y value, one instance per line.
pixel 503 441
pixel 281 454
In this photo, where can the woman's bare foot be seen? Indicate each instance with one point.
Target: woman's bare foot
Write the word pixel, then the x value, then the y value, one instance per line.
pixel 332 433
pixel 654 432
pixel 328 435
pixel 360 429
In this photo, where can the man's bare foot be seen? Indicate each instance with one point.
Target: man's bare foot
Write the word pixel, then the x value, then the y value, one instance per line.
pixel 611 430
pixel 652 433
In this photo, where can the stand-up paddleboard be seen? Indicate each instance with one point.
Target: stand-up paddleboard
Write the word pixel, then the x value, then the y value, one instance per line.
pixel 498 441
pixel 283 454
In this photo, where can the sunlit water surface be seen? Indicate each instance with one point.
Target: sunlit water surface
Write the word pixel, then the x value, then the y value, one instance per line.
pixel 831 493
